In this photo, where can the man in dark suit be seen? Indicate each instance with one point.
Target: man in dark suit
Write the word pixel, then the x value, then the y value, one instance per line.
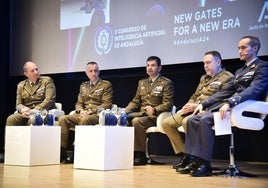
pixel 250 82
pixel 154 95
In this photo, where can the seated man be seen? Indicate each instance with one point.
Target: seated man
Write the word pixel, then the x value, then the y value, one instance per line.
pixel 95 93
pixel 154 95
pixel 35 93
pixel 249 82
pixel 215 78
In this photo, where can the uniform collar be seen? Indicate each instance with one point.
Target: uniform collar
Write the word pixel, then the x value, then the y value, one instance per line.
pixel 153 79
pixel 94 83
pixel 33 83
pixel 249 63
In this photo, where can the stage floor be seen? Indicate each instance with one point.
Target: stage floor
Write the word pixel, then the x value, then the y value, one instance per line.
pixel 153 175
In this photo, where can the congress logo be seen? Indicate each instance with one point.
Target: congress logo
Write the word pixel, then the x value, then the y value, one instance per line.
pixel 103 40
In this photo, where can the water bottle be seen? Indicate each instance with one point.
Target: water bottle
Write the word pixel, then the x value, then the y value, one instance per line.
pixel 107 117
pixel 113 119
pixel 123 118
pixel 50 119
pixel 101 114
pixel 38 119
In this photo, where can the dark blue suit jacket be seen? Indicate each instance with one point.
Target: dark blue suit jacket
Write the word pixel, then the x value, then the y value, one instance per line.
pixel 248 83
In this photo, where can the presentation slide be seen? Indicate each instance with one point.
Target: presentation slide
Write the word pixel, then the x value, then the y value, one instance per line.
pixel 62 36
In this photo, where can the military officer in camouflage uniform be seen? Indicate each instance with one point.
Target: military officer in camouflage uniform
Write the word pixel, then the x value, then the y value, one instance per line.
pixel 35 93
pixel 154 95
pixel 215 78
pixel 93 94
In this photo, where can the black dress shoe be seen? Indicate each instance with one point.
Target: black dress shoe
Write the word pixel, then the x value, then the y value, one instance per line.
pixel 190 167
pixel 2 157
pixel 185 160
pixel 202 171
pixel 63 154
pixel 180 157
pixel 69 159
pixel 140 159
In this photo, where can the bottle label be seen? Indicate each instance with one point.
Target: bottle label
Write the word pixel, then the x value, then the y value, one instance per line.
pixel 110 119
pixel 50 120
pixel 38 120
pixel 123 120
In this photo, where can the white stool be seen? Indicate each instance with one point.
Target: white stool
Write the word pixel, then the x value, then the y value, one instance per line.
pixel 32 145
pixel 103 147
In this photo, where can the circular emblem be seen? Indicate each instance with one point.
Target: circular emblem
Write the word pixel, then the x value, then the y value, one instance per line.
pixel 103 40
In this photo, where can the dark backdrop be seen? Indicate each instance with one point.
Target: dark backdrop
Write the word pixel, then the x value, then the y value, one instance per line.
pixel 4 56
pixel 250 145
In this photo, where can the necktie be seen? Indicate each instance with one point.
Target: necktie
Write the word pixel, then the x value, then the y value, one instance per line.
pixel 150 82
pixel 91 85
pixel 32 86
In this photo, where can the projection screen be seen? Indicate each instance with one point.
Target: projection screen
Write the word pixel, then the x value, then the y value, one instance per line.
pixel 62 35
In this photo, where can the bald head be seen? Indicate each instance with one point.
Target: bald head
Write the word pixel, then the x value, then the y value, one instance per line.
pixel 27 65
pixel 31 71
